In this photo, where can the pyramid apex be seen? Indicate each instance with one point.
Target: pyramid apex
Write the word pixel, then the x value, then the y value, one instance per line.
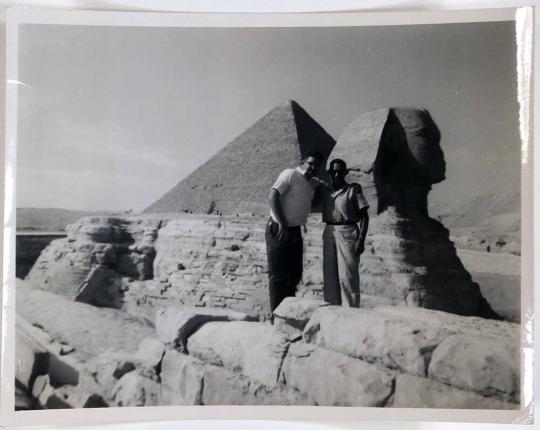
pixel 290 103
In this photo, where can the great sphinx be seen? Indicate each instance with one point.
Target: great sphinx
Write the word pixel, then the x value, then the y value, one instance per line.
pixel 395 155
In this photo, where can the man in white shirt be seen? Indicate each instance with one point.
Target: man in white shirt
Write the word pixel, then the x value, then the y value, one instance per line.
pixel 290 201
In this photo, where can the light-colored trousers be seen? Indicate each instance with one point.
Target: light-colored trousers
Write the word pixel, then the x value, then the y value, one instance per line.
pixel 340 265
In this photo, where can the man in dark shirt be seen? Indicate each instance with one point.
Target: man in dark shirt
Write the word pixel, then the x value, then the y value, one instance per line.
pixel 344 210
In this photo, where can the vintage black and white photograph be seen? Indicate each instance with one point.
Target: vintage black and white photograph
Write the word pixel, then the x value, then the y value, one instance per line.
pixel 318 216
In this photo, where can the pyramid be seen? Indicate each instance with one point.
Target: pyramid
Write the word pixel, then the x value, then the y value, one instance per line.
pixel 238 178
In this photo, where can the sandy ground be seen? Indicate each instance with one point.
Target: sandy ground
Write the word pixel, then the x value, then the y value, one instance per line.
pixel 499 277
pixel 90 330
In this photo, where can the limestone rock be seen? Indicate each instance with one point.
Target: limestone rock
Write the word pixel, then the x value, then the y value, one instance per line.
pixel 181 380
pixel 195 264
pixel 455 323
pixel 31 360
pixel 68 398
pixel 175 324
pixel 96 254
pixel 100 288
pixel 76 397
pixel 293 313
pixel 333 379
pixel 89 329
pixel 43 390
pixel 150 352
pixel 40 384
pixel 56 401
pixel 252 349
pixel 407 261
pixel 489 366
pixel 134 389
pixel 97 229
pixel 224 387
pixel 414 392
pixel 375 336
pixel 109 367
pixel 63 370
pixel 94 400
pixel 84 395
pixel 59 363
pixel 61 267
pixel 23 401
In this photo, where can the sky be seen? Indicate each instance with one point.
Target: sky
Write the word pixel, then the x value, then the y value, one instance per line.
pixel 110 118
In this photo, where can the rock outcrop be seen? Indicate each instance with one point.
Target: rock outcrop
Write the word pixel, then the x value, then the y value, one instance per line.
pixel 237 179
pixel 97 253
pixel 404 358
pixel 220 262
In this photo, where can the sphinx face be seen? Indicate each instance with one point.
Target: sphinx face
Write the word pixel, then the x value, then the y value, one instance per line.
pixel 419 145
pixel 409 161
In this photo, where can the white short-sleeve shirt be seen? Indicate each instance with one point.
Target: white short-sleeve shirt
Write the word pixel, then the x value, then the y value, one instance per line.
pixel 296 196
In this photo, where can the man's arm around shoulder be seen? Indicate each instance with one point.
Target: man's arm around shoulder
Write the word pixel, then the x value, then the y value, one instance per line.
pixel 364 217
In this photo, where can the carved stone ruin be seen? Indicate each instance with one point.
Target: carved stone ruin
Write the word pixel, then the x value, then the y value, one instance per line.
pixel 396 157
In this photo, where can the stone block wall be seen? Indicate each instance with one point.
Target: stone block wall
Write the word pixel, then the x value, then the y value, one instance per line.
pixel 219 262
pixel 142 264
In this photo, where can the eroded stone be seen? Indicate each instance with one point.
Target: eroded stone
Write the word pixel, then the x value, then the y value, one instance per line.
pixel 293 313
pixel 134 389
pixel 486 365
pixel 175 324
pixel 150 352
pixel 31 360
pixel 330 378
pixel 414 392
pixel 110 366
pixel 374 336
pixel 181 380
pixel 225 387
pixel 253 349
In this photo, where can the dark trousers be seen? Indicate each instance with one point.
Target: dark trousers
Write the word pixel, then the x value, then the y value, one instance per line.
pixel 284 262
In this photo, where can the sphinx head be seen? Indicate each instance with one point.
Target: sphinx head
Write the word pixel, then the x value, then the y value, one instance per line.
pixel 409 161
pixel 395 155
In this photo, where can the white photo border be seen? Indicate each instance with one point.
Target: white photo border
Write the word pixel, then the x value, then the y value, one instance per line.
pixel 17 16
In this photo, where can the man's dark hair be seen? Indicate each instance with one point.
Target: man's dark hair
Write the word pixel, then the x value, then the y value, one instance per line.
pixel 337 161
pixel 314 154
